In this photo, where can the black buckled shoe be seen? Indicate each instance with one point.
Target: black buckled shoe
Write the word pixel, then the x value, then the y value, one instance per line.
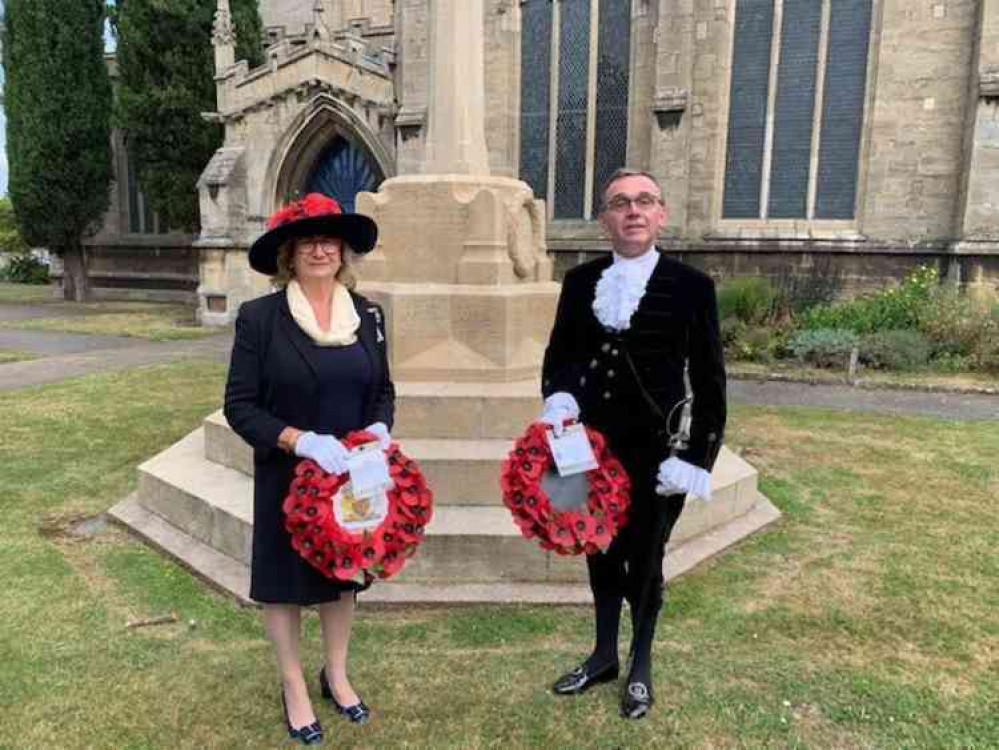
pixel 310 734
pixel 582 678
pixel 636 700
pixel 359 713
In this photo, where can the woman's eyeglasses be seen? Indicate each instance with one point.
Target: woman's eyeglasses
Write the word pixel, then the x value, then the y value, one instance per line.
pixel 324 245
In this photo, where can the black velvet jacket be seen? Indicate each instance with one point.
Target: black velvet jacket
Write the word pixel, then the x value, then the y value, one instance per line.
pixel 676 324
pixel 272 379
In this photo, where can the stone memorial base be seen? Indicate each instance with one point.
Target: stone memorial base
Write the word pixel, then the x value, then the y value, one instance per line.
pixel 194 501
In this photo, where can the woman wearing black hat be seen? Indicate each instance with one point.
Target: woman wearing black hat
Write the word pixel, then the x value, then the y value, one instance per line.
pixel 309 364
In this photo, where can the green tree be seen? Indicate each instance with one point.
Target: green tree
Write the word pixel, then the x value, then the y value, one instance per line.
pixel 58 102
pixel 10 235
pixel 166 65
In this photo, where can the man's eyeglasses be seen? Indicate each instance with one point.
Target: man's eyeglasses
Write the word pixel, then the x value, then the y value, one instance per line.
pixel 642 200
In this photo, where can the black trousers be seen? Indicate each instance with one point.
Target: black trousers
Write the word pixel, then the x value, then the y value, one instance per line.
pixel 632 566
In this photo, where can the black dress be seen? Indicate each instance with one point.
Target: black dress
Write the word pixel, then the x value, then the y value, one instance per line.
pixel 277 378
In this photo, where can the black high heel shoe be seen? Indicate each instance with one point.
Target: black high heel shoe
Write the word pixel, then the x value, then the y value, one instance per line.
pixel 310 734
pixel 359 713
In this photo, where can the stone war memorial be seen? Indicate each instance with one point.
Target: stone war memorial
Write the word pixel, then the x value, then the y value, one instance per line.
pixel 462 273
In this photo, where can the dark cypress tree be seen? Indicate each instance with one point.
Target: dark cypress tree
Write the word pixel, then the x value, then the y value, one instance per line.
pixel 58 103
pixel 166 65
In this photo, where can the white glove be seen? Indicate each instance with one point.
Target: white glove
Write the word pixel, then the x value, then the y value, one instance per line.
pixel 677 477
pixel 380 430
pixel 666 486
pixel 325 450
pixel 558 408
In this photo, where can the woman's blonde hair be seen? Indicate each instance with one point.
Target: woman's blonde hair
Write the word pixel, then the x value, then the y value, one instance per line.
pixel 286 265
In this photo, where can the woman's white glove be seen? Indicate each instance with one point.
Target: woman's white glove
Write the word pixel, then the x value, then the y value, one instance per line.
pixel 325 450
pixel 558 408
pixel 380 430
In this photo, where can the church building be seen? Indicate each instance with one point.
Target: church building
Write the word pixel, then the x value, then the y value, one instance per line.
pixel 855 137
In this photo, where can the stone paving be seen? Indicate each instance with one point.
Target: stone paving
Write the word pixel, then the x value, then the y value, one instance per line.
pixel 63 358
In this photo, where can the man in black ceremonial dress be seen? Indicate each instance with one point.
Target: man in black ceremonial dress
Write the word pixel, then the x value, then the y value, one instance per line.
pixel 630 329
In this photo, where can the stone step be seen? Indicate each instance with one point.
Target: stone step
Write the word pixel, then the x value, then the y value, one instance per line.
pixel 466 473
pixel 461 472
pixel 213 504
pixel 466 410
pixel 233 576
pixel 194 508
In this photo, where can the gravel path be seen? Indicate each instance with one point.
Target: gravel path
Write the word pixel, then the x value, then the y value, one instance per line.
pixel 66 355
pixel 931 404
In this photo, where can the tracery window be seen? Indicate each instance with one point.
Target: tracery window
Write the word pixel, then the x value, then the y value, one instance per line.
pixel 575 74
pixel 796 110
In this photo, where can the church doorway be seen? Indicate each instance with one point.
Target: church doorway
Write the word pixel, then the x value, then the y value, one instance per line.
pixel 343 170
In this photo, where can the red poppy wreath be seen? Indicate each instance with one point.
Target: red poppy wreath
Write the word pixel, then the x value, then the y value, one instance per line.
pixel 339 549
pixel 587 529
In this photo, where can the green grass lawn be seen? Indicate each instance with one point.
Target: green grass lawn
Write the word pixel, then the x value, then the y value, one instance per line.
pixel 14 355
pixel 162 323
pixel 868 617
pixel 149 320
pixel 25 293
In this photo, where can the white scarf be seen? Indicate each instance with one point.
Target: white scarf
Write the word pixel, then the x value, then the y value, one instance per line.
pixel 621 287
pixel 344 320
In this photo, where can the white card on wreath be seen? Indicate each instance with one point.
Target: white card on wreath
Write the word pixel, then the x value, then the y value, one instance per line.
pixel 572 451
pixel 369 471
pixel 355 513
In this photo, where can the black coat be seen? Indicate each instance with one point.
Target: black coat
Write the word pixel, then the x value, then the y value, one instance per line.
pixel 676 323
pixel 273 384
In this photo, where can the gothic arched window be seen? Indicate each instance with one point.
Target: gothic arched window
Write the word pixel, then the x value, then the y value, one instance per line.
pixel 342 171
pixel 575 73
pixel 796 110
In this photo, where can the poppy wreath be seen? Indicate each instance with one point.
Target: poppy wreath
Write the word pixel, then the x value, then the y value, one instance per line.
pixel 342 554
pixel 568 532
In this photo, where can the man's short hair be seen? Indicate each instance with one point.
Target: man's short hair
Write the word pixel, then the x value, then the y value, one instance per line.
pixel 627 172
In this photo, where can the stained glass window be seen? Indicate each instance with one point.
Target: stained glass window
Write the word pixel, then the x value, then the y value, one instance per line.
pixel 535 93
pixel 573 94
pixel 790 148
pixel 794 109
pixel 747 118
pixel 613 75
pixel 843 109
pixel 343 171
pixel 556 45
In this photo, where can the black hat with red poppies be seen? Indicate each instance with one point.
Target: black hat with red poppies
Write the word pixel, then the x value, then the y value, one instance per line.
pixel 313 215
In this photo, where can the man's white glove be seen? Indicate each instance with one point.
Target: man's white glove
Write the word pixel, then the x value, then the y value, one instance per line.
pixel 558 408
pixel 677 477
pixel 325 450
pixel 380 430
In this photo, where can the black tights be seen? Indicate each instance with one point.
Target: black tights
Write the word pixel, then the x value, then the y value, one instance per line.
pixel 631 569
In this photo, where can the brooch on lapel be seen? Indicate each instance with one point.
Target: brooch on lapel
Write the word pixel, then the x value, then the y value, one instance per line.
pixel 377 315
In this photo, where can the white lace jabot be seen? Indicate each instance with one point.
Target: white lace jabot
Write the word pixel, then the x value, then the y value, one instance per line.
pixel 621 287
pixel 344 320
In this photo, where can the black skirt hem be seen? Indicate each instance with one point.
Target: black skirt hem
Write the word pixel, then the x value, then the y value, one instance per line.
pixel 325 598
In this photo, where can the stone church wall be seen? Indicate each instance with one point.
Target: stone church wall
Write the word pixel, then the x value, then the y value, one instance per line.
pixel 927 185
